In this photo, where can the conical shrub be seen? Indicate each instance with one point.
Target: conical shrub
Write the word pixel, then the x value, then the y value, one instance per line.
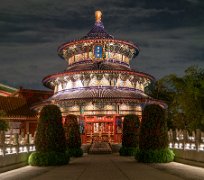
pixel 50 139
pixel 153 139
pixel 130 134
pixel 73 137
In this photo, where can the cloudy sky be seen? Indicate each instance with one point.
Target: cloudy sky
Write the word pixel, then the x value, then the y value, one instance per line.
pixel 170 34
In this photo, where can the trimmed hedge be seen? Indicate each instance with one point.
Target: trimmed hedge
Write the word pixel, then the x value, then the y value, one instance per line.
pixel 75 152
pixel 130 134
pixel 48 159
pixel 153 132
pixel 50 133
pixel 73 137
pixel 50 140
pixel 155 156
pixel 128 151
pixel 153 140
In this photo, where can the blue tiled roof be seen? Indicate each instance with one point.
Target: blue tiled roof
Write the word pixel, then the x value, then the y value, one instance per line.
pixel 98 32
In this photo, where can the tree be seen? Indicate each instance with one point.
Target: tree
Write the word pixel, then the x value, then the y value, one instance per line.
pixel 50 140
pixel 3 123
pixel 131 125
pixel 73 137
pixel 185 98
pixel 153 139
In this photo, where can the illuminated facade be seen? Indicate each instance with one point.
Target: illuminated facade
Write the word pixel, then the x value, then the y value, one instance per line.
pixel 98 84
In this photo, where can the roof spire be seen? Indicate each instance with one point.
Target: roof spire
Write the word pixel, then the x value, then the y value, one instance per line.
pixel 98 15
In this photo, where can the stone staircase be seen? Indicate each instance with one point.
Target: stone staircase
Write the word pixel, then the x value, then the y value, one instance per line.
pixel 100 148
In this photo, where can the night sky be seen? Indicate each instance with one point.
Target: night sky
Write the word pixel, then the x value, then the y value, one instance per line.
pixel 169 33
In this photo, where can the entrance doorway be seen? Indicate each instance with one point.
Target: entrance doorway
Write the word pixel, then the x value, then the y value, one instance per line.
pixel 99 129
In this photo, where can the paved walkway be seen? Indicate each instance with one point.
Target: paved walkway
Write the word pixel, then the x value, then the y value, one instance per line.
pixel 106 167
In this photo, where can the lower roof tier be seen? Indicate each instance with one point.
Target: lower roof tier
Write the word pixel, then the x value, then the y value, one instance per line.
pixel 102 95
pixel 84 74
pixel 98 93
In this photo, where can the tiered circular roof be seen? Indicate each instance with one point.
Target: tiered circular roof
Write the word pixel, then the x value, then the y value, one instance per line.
pixel 109 94
pixel 98 32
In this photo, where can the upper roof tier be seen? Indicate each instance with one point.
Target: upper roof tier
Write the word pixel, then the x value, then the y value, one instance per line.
pixel 98 31
pixel 98 45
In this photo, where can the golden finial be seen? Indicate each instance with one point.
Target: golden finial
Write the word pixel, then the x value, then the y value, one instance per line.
pixel 98 15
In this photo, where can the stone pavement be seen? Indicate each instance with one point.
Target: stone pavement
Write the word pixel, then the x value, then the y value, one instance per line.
pixel 106 167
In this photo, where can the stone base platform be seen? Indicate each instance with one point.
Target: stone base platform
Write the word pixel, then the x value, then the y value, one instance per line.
pixel 100 148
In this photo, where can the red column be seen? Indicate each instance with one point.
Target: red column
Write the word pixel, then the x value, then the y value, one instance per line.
pixel 115 129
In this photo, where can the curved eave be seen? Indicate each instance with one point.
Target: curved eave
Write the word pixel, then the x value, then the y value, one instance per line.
pixel 67 44
pixel 145 101
pixel 57 75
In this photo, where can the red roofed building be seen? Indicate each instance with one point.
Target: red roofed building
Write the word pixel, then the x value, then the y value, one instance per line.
pixel 17 106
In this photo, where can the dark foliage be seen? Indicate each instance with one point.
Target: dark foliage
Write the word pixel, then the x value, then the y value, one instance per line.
pixel 128 151
pixel 48 159
pixel 153 131
pixel 153 140
pixel 75 152
pixel 4 126
pixel 73 137
pixel 155 156
pixel 50 133
pixel 130 131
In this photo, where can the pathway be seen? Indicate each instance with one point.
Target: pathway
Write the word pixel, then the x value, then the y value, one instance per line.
pixel 106 167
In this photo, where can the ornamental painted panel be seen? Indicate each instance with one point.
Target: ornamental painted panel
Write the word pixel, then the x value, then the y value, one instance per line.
pixel 98 51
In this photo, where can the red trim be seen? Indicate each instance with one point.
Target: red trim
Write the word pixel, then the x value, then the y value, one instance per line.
pixel 5 93
pixel 54 76
pixel 94 40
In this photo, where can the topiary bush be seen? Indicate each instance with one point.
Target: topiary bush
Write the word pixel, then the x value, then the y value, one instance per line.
pixel 48 158
pixel 73 137
pixel 50 133
pixel 130 135
pixel 153 139
pixel 128 151
pixel 155 156
pixel 74 152
pixel 50 139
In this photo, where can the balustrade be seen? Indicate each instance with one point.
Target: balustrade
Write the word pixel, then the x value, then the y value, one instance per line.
pixel 15 143
pixel 182 139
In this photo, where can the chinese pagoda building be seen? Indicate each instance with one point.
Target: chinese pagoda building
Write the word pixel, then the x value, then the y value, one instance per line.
pixel 98 84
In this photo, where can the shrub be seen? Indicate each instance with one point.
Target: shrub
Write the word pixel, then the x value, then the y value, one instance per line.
pixel 48 159
pixel 155 156
pixel 50 140
pixel 130 134
pixel 74 152
pixel 153 139
pixel 3 123
pixel 153 132
pixel 50 133
pixel 73 137
pixel 128 151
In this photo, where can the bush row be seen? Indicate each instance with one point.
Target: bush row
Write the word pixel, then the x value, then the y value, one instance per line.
pixel 55 143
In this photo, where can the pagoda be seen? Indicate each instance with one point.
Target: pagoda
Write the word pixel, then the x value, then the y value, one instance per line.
pixel 98 85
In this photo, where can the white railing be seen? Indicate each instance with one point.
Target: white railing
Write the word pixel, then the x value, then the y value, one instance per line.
pixel 15 144
pixel 181 139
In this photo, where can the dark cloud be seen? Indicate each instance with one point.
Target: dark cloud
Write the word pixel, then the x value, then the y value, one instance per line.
pixel 169 34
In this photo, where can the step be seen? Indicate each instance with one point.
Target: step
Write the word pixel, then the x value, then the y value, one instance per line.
pixel 100 148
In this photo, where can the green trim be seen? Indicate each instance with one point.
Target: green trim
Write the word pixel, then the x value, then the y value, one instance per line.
pixel 7 88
